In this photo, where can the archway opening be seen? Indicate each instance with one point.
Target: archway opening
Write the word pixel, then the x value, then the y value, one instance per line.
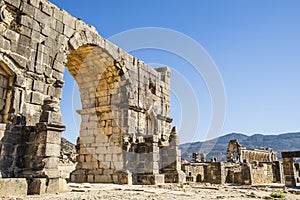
pixel 99 145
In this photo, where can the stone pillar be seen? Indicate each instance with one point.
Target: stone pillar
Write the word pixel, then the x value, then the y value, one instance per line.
pixel 289 172
pixel 43 151
pixel 171 160
pixel 147 158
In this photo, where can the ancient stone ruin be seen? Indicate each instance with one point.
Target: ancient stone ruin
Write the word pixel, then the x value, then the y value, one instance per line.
pixel 246 167
pixel 290 168
pixel 238 153
pixel 125 135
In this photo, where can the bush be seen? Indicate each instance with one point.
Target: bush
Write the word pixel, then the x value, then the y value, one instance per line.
pixel 278 194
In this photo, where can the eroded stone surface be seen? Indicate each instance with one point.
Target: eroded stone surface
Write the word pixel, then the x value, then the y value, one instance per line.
pixel 13 187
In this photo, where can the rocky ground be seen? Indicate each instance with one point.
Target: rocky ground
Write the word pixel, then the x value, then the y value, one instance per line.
pixel 166 192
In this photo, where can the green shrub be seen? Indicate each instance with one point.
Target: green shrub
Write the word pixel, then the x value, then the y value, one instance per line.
pixel 278 194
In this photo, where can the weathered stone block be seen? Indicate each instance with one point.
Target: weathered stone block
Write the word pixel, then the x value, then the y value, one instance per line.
pixel 51 162
pixel 35 3
pixel 151 179
pixel 27 21
pixel 91 178
pixel 41 16
pixel 68 31
pixel 28 9
pixel 4 43
pixel 52 150
pixel 38 86
pixel 108 171
pixel 53 137
pixel 124 178
pixel 20 81
pixel 103 179
pixel 37 98
pixel 52 173
pixel 46 8
pixel 37 186
pixel 15 3
pixel 53 185
pixel 69 20
pixel 59 27
pixel 13 187
pixel 59 67
pixel 51 117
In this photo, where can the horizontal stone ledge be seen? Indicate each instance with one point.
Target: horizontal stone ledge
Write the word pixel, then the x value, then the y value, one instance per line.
pixel 164 118
pixel 50 127
pixel 290 154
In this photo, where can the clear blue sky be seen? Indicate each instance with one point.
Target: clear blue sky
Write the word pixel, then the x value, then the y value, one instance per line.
pixel 255 45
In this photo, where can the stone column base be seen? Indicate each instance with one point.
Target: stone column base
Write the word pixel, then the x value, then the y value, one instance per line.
pixel 175 177
pixel 148 179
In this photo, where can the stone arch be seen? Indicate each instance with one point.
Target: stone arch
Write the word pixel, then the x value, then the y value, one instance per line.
pixel 89 37
pixel 36 48
pixel 103 85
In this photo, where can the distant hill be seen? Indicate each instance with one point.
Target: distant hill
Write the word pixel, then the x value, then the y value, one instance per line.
pixel 218 146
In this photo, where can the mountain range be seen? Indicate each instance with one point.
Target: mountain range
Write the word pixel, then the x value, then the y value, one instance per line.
pixel 217 148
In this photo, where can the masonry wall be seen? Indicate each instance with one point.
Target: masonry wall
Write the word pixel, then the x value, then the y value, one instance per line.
pixel 214 173
pixel 194 171
pixel 238 153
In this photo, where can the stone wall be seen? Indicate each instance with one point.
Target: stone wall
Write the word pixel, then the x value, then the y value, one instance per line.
pixel 290 169
pixel 243 167
pixel 262 173
pixel 238 153
pixel 194 171
pixel 244 173
pixel 214 173
pixel 125 134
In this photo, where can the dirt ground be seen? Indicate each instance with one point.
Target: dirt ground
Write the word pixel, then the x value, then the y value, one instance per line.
pixel 165 192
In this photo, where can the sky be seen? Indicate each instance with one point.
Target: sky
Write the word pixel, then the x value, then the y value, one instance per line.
pixel 255 46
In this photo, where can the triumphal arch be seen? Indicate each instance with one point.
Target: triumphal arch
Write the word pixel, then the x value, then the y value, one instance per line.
pixel 125 135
